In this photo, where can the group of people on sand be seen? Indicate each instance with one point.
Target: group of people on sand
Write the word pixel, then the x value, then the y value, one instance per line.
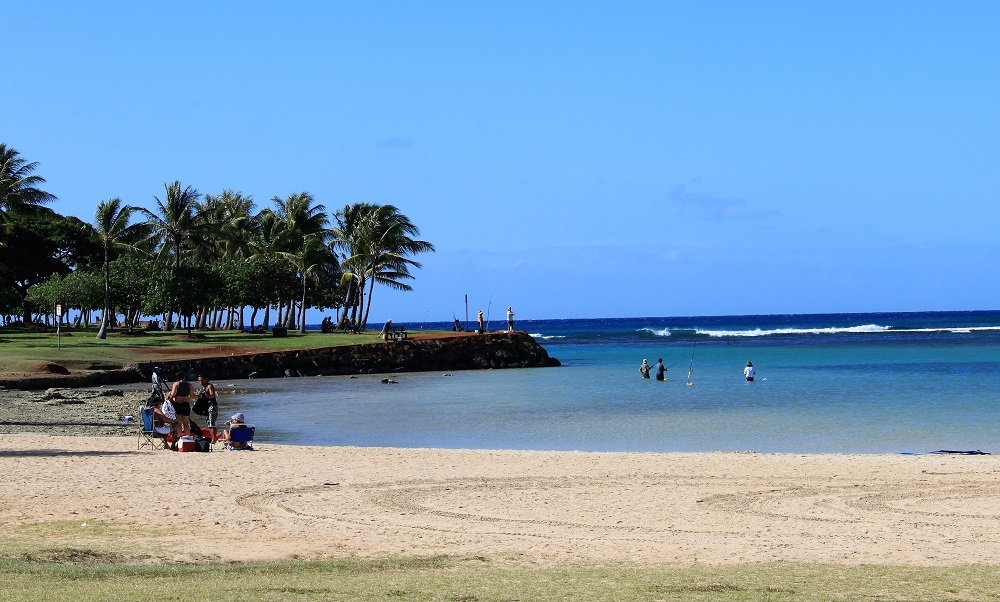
pixel 661 371
pixel 172 414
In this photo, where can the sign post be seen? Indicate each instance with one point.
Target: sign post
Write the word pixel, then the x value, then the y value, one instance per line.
pixel 58 325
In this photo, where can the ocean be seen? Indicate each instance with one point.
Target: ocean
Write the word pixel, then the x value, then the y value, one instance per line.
pixel 829 383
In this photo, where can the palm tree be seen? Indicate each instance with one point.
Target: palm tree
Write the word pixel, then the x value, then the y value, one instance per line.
pixel 111 223
pixel 239 223
pixel 347 238
pixel 266 243
pixel 172 225
pixel 174 221
pixel 18 186
pixel 225 226
pixel 313 256
pixel 380 248
pixel 299 219
pixel 227 223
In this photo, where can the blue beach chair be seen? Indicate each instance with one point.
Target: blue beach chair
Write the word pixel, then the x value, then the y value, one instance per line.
pixel 148 437
pixel 242 436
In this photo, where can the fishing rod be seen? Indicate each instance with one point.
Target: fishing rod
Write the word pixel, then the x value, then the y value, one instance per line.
pixel 488 312
pixel 691 367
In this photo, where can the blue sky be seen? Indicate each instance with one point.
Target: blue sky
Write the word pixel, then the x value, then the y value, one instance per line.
pixel 572 159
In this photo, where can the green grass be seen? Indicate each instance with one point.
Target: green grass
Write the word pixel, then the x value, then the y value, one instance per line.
pixel 74 574
pixel 22 351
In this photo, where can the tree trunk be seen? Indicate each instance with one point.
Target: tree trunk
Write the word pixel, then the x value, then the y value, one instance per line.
pixel 368 308
pixel 102 332
pixel 302 315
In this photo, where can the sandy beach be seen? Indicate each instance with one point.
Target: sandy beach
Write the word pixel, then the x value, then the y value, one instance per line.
pixel 293 502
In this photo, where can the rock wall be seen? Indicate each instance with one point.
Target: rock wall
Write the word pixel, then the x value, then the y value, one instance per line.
pixel 467 352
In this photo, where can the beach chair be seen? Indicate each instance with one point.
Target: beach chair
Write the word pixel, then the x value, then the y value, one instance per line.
pixel 147 434
pixel 242 433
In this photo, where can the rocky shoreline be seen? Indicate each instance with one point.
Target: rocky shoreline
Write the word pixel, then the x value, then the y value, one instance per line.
pixel 79 412
pixel 500 350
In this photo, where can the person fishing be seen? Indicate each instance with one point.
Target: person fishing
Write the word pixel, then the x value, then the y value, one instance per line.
pixel 749 372
pixel 661 370
pixel 644 369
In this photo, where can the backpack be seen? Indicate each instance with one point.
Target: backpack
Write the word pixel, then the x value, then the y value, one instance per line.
pixel 200 406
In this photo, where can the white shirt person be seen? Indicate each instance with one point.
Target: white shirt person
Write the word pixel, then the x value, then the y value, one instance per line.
pixel 749 372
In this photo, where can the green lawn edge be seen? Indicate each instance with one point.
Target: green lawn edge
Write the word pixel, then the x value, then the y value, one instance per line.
pixel 79 350
pixel 82 575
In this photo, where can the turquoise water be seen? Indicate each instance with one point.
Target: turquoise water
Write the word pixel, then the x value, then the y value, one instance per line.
pixel 859 383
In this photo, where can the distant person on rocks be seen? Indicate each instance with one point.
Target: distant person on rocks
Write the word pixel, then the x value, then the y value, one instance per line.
pixel 749 372
pixel 386 330
pixel 479 320
pixel 510 320
pixel 644 369
pixel 661 370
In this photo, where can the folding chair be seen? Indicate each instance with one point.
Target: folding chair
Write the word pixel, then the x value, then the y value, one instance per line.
pixel 242 433
pixel 147 434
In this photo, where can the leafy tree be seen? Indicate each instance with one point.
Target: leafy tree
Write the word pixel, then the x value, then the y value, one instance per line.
pixel 131 280
pixel 80 289
pixel 34 251
pixel 261 282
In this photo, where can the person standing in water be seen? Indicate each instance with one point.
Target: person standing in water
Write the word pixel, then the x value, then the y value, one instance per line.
pixel 661 370
pixel 644 369
pixel 749 372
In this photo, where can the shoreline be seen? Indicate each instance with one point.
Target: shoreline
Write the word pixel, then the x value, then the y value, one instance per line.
pixel 711 508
